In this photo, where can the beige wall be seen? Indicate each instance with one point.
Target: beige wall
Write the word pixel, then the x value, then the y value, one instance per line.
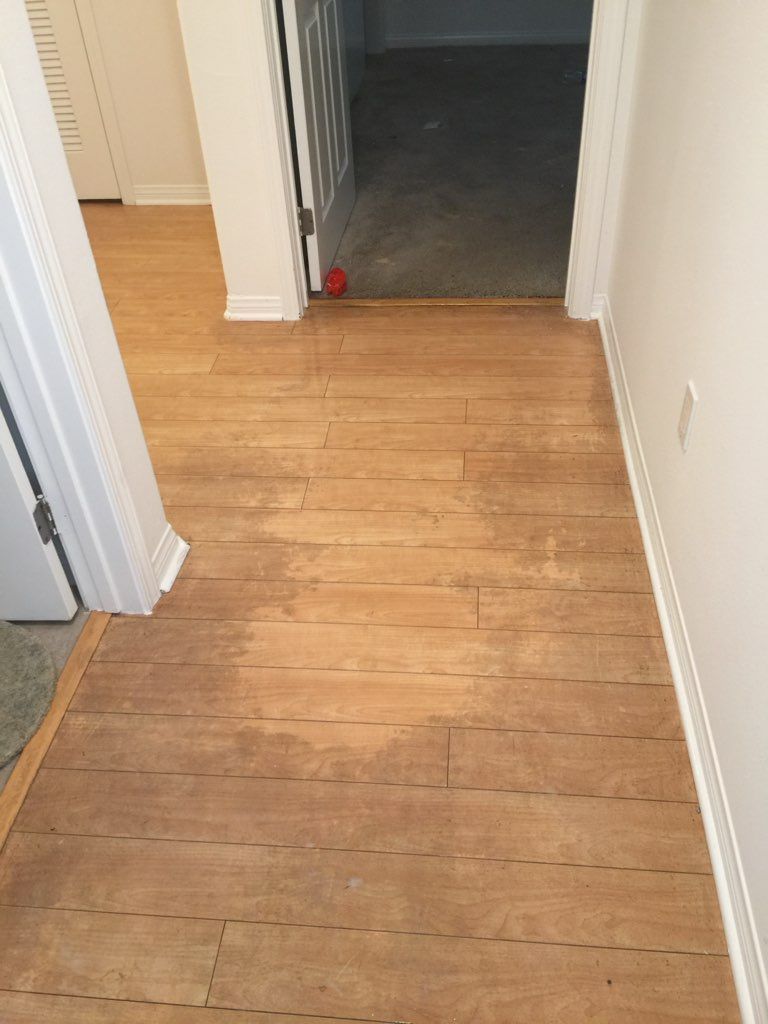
pixel 687 290
pixel 143 56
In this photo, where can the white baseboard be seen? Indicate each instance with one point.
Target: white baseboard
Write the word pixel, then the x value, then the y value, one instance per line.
pixel 168 558
pixel 171 195
pixel 254 307
pixel 741 933
pixel 486 39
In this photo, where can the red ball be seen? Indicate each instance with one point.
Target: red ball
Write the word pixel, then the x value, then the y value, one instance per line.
pixel 336 282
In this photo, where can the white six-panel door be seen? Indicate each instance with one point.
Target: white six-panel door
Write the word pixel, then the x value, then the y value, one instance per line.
pixel 61 49
pixel 315 46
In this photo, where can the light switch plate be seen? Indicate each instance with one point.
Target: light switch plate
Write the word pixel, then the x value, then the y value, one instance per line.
pixel 687 415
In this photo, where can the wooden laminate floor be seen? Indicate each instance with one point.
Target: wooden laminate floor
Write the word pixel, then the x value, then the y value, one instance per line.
pixel 401 745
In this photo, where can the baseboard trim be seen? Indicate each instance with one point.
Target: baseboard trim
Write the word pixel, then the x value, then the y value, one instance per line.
pixel 168 558
pixel 428 39
pixel 171 195
pixel 254 307
pixel 741 933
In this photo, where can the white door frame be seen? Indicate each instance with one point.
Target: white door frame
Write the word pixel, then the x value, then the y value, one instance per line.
pixel 235 67
pixel 613 43
pixel 60 365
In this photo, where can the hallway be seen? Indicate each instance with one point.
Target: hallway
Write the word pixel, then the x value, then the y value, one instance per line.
pixel 401 745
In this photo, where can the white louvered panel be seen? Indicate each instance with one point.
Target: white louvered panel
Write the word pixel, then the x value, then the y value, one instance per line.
pixel 53 71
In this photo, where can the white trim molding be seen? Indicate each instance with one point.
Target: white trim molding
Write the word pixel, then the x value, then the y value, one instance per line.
pixel 60 365
pixel 168 558
pixel 254 307
pixel 738 920
pixel 615 33
pixel 171 195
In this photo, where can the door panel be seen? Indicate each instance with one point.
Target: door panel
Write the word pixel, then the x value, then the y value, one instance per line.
pixel 33 585
pixel 61 48
pixel 316 61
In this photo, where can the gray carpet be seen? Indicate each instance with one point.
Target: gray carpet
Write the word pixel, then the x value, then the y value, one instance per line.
pixel 27 684
pixel 481 202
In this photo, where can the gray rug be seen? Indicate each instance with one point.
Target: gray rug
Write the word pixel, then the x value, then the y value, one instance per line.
pixel 27 685
pixel 466 161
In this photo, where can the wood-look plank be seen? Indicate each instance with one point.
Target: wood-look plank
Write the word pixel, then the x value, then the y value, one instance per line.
pixel 531 340
pixel 203 281
pixel 328 888
pixel 594 412
pixel 488 652
pixel 479 824
pixel 553 467
pixel 325 410
pixel 130 261
pixel 431 980
pixel 232 345
pixel 415 362
pixel 179 385
pixel 159 318
pixel 426 436
pixel 413 530
pixel 304 462
pixel 389 385
pixel 234 492
pixel 33 1007
pixel 475 496
pixel 158 362
pixel 437 319
pixel 616 613
pixel 306 601
pixel 176 313
pixel 448 567
pixel 404 755
pixel 568 468
pixel 636 769
pixel 107 955
pixel 197 434
pixel 554 705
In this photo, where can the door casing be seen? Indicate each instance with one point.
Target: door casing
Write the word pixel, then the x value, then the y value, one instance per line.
pixel 59 362
pixel 613 43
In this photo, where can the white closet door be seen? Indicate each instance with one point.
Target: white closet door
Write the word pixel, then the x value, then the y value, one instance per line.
pixel 314 32
pixel 61 48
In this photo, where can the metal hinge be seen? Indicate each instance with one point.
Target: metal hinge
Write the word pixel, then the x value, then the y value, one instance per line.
pixel 306 221
pixel 44 521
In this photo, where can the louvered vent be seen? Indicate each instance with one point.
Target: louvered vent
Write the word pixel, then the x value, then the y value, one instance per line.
pixel 53 70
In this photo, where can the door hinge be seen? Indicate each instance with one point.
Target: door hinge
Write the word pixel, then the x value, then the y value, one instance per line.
pixel 306 221
pixel 44 521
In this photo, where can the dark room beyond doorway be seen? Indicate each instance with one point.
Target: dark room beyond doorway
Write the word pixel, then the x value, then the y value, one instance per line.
pixel 466 161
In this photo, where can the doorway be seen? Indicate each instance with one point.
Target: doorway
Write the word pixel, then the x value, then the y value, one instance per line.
pixel 464 129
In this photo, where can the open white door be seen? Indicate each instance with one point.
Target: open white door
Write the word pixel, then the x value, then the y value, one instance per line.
pixel 67 71
pixel 33 585
pixel 314 31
